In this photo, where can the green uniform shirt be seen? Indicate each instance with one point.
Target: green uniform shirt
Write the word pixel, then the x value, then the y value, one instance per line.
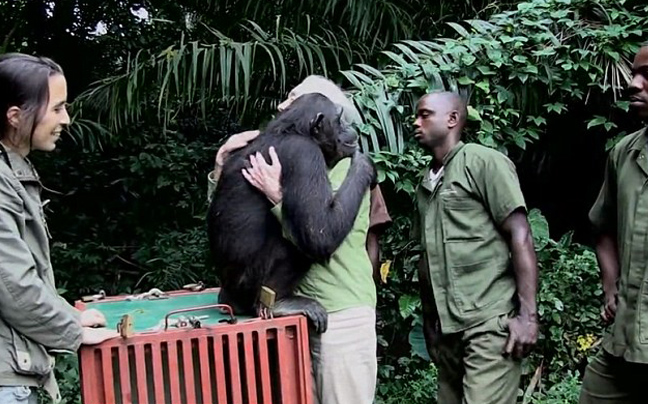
pixel 622 209
pixel 347 280
pixel 468 259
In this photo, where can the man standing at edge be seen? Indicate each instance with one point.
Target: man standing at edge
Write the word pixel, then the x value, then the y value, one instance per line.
pixel 478 271
pixel 620 219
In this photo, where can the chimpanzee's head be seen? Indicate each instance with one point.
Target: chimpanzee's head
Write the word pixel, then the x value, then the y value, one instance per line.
pixel 316 116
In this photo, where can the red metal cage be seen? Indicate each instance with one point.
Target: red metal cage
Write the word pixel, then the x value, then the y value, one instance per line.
pixel 255 361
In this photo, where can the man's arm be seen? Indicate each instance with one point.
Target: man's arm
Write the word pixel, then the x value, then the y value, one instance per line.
pixel 373 250
pixel 603 218
pixel 431 325
pixel 523 329
pixel 608 259
pixel 379 221
pixel 523 257
pixel 499 186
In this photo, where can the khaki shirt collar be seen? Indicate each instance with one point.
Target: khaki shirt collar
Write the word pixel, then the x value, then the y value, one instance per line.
pixel 453 152
pixel 639 146
pixel 641 141
pixel 21 167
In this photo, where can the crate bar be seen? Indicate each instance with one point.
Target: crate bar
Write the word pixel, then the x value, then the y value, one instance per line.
pixel 219 367
pixel 90 386
pixel 174 375
pixel 235 376
pixel 249 368
pixel 265 381
pixel 140 371
pixel 286 368
pixel 205 379
pixel 124 374
pixel 187 356
pixel 302 353
pixel 158 376
pixel 109 383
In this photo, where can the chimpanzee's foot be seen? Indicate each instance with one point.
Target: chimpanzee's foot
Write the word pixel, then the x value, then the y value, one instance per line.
pixel 314 311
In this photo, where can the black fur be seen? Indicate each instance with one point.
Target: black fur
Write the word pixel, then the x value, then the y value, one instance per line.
pixel 246 239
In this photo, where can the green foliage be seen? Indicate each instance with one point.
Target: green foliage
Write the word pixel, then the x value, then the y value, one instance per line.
pixel 569 302
pixel 415 384
pixel 566 391
pixel 521 69
pixel 131 216
pixel 67 375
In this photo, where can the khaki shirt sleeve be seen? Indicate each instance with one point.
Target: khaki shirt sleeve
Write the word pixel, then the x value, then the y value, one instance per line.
pixel 378 216
pixel 497 182
pixel 602 215
pixel 28 304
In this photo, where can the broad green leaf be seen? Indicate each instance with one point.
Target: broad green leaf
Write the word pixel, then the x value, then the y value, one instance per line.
pixel 539 229
pixel 417 342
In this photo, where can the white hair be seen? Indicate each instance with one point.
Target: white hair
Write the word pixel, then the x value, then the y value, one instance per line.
pixel 324 86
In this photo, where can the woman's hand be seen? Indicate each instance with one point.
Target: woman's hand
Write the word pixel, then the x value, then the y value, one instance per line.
pixel 265 177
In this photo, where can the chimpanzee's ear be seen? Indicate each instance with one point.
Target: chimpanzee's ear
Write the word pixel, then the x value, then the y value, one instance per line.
pixel 315 123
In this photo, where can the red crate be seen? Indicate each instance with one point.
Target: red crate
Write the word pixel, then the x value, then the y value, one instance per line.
pixel 252 361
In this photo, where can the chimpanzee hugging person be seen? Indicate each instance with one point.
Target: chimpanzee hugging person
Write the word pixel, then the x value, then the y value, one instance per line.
pixel 343 357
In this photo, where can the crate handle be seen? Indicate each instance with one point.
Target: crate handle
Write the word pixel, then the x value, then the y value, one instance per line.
pixel 227 308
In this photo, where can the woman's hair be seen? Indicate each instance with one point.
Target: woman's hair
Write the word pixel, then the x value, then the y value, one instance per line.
pixel 324 86
pixel 24 83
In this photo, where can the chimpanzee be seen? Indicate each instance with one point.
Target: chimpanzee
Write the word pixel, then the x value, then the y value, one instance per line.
pixel 250 246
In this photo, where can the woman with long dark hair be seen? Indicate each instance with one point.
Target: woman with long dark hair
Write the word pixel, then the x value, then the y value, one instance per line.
pixel 34 319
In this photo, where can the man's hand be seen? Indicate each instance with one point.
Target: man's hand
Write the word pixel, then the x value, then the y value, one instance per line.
pixel 93 336
pixel 523 335
pixel 609 309
pixel 235 142
pixel 92 318
pixel 265 177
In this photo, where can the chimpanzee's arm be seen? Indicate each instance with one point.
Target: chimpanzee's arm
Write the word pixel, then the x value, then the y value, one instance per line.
pixel 316 219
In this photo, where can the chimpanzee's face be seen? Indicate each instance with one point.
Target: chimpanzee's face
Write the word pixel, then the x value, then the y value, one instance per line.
pixel 336 137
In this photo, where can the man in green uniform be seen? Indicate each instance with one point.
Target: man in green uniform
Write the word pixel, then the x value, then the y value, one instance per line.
pixel 620 217
pixel 478 272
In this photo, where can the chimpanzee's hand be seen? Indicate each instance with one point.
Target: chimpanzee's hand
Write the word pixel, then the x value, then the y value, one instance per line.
pixel 362 164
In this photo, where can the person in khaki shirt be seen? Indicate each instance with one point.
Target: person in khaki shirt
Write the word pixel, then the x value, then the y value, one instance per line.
pixel 478 272
pixel 616 375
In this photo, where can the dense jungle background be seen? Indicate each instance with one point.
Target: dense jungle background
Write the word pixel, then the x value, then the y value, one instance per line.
pixel 156 86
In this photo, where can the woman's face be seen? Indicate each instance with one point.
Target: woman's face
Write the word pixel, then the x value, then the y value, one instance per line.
pixel 54 118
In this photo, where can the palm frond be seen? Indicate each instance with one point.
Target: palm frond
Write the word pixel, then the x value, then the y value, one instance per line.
pixel 224 72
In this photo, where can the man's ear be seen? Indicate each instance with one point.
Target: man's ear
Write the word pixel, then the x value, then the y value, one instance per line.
pixel 13 117
pixel 453 119
pixel 315 123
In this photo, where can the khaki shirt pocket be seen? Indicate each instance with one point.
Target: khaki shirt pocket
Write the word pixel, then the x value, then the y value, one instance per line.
pixel 470 288
pixel 463 219
pixel 29 357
